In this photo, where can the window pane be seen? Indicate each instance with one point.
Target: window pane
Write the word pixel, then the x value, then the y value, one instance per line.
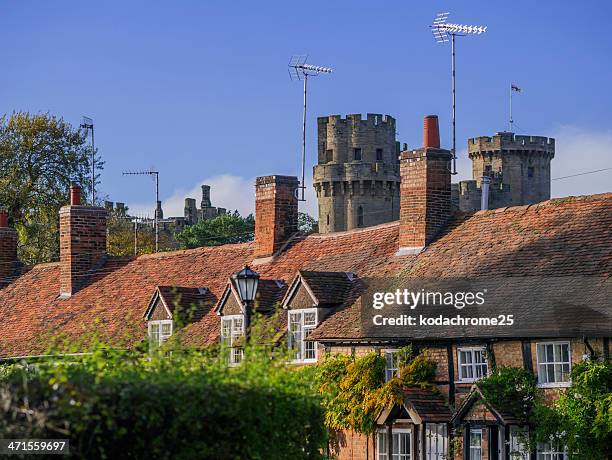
pixel 550 370
pixel 310 350
pixel 166 328
pixel 550 354
pixel 310 319
pixel 565 353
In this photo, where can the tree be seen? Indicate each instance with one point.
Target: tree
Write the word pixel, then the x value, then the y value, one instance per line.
pixel 121 238
pixel 40 155
pixel 582 417
pixel 223 229
pixel 307 224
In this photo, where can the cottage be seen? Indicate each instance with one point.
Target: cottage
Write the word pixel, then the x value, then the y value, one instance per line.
pixel 320 282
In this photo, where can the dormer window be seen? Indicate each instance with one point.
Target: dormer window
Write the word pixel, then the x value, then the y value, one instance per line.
pixel 232 332
pixel 301 324
pixel 159 331
pixel 245 295
pixel 310 298
pixel 185 304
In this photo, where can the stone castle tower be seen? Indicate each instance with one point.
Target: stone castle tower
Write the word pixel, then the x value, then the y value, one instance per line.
pixel 207 211
pixel 357 173
pixel 518 168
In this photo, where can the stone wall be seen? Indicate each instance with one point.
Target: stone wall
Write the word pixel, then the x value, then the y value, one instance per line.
pixel 357 175
pixel 519 168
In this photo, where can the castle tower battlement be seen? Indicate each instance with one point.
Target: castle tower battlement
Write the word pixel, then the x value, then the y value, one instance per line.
pixel 357 173
pixel 518 166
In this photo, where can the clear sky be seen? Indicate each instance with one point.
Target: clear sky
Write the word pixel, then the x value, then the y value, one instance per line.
pixel 200 89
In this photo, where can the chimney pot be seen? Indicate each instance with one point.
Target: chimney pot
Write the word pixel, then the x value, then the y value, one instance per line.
pixel 431 132
pixel 3 218
pixel 75 195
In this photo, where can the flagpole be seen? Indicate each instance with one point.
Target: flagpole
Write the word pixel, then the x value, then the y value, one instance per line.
pixel 511 121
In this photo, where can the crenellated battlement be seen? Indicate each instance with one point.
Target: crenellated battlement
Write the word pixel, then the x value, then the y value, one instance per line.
pixel 371 119
pixel 511 141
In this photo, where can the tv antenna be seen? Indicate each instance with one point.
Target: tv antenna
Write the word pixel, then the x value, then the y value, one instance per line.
pixel 299 70
pixel 88 126
pixel 156 175
pixel 442 30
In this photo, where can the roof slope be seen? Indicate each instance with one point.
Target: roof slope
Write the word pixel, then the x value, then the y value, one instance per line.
pixel 556 238
pixel 115 299
pixel 542 254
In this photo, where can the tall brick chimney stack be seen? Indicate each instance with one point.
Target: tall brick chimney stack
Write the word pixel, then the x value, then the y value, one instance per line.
pixel 425 191
pixel 276 213
pixel 82 242
pixel 8 247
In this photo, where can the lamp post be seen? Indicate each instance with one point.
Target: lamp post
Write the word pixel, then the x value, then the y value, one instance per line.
pixel 246 281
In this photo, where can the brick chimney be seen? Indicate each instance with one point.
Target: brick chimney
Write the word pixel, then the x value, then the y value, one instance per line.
pixel 82 242
pixel 8 247
pixel 425 191
pixel 276 213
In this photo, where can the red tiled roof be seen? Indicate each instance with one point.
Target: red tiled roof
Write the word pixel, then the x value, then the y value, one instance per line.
pixel 549 242
pixel 559 237
pixel 115 299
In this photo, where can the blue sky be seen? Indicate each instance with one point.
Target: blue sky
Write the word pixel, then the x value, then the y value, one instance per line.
pixel 200 90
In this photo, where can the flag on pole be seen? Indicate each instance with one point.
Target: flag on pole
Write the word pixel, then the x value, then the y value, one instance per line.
pixel 515 88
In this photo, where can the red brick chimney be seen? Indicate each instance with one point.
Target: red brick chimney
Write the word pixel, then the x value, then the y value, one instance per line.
pixel 425 191
pixel 8 248
pixel 82 242
pixel 276 213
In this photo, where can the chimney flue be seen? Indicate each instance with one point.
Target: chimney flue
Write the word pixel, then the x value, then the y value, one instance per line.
pixel 484 203
pixel 431 132
pixel 75 195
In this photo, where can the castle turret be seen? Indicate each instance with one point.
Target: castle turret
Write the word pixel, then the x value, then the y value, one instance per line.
pixel 518 167
pixel 357 174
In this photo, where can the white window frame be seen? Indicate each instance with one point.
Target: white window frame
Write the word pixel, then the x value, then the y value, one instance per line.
pixel 393 369
pixel 551 451
pixel 476 431
pixel 301 346
pixel 518 449
pixel 436 441
pixel 161 336
pixel 402 455
pixel 236 353
pixel 554 363
pixel 473 365
pixel 382 448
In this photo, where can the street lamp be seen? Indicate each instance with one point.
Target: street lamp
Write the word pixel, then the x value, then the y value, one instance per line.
pixel 246 280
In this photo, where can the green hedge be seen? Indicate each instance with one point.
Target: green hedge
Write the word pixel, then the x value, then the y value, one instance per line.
pixel 185 406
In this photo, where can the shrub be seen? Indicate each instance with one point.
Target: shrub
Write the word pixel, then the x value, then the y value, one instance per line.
pixel 189 405
pixel 512 390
